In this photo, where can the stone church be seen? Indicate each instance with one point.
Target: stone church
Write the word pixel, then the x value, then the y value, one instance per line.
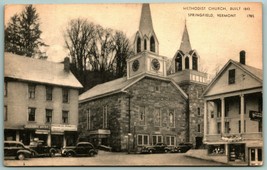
pixel 153 103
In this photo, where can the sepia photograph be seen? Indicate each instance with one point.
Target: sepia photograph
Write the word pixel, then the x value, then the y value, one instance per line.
pixel 133 85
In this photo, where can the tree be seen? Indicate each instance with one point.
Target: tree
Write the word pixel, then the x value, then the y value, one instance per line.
pixel 98 54
pixel 22 35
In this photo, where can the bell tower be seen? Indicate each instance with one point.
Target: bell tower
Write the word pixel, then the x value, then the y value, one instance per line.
pixel 146 48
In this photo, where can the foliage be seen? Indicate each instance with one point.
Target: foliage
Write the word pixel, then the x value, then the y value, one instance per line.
pixel 22 34
pixel 98 54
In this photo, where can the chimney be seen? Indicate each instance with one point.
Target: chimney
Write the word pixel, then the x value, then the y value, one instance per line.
pixel 242 58
pixel 67 64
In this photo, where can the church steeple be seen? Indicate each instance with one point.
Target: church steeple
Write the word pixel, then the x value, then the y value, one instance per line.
pixel 185 46
pixel 145 39
pixel 145 25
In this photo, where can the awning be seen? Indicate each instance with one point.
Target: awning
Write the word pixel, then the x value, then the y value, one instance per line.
pixel 41 131
pixel 57 133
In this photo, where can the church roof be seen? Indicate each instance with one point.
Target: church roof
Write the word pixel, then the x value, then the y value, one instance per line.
pixel 119 85
pixel 37 70
pixel 185 45
pixel 145 25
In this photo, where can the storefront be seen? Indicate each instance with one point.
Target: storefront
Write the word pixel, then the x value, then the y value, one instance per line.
pixel 63 135
pixel 255 153
pixel 100 137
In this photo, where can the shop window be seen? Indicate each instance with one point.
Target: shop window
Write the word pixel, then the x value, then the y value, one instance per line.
pixel 65 95
pixel 142 140
pixel 231 76
pixel 216 149
pixel 142 115
pixel 31 91
pixel 31 114
pixel 49 93
pixel 156 139
pixel 152 44
pixel 157 117
pixel 65 116
pixel 237 152
pixel 170 140
pixel 48 113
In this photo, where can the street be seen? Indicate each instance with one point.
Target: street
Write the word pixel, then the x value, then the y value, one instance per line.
pixel 116 159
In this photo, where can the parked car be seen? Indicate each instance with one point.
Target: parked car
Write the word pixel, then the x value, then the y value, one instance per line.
pixel 40 150
pixel 157 148
pixel 81 149
pixel 182 148
pixel 17 150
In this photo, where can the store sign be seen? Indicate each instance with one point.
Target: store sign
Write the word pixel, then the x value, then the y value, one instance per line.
pixel 100 132
pixel 62 128
pixel 34 126
pixel 255 115
pixel 232 138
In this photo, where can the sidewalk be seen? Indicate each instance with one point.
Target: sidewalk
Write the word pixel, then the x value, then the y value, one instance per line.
pixel 202 154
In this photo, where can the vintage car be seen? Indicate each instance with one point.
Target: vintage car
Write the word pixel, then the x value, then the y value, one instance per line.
pixel 182 148
pixel 40 150
pixel 17 150
pixel 81 149
pixel 157 148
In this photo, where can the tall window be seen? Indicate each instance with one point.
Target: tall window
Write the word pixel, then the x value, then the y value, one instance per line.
pixel 171 118
pixel 156 139
pixel 219 108
pixel 198 128
pixel 5 113
pixel 142 140
pixel 186 62
pixel 31 114
pixel 31 90
pixel 152 44
pixel 227 108
pixel 49 93
pixel 48 113
pixel 179 63
pixel 195 64
pixel 219 127
pixel 142 115
pixel 145 44
pixel 105 116
pixel 239 126
pixel 65 95
pixel 5 89
pixel 88 119
pixel 138 45
pixel 170 140
pixel 231 76
pixel 260 126
pixel 198 111
pixel 65 116
pixel 157 117
pixel 227 127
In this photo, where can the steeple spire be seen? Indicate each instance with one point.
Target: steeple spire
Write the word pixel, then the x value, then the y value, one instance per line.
pixel 145 25
pixel 185 46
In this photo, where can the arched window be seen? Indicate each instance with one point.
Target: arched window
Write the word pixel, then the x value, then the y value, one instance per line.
pixel 138 45
pixel 195 64
pixel 145 44
pixel 178 62
pixel 187 63
pixel 152 44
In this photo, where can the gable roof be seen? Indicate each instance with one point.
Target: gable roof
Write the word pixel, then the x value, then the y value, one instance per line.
pixel 37 70
pixel 119 85
pixel 256 73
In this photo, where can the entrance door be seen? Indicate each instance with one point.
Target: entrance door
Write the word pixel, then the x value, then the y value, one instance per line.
pixel 255 157
pixel 199 142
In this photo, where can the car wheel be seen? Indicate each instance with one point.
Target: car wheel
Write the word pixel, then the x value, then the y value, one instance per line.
pixel 52 153
pixel 21 156
pixel 166 151
pixel 91 154
pixel 69 154
pixel 150 151
pixel 179 151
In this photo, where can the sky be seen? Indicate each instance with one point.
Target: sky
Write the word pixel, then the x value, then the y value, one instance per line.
pixel 216 39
